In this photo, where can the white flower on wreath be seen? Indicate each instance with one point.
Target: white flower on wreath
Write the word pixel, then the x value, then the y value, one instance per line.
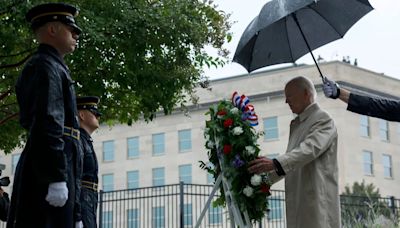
pixel 256 180
pixel 248 191
pixel 237 131
pixel 250 150
pixel 210 144
pixel 234 110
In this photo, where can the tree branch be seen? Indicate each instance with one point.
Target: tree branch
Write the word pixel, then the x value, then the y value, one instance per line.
pixel 5 94
pixel 15 64
pixel 8 118
pixel 17 54
pixel 4 106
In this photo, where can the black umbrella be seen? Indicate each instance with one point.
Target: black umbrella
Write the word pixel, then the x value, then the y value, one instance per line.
pixel 285 30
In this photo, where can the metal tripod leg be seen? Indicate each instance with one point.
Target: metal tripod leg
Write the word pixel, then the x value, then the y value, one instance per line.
pixel 234 213
pixel 203 212
pixel 233 209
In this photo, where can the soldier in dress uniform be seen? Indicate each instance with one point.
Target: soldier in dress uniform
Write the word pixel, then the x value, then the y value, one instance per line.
pixel 89 117
pixel 46 184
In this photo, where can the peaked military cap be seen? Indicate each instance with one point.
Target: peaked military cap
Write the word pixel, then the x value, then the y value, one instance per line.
pixel 41 14
pixel 88 103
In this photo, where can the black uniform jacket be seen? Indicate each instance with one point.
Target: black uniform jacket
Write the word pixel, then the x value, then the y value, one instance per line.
pixel 375 106
pixel 47 102
pixel 89 197
pixel 90 164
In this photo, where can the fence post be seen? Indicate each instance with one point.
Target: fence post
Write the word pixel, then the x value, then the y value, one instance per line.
pixel 393 205
pixel 101 209
pixel 181 205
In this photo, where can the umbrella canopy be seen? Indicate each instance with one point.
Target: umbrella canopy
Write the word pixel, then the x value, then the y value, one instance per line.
pixel 285 30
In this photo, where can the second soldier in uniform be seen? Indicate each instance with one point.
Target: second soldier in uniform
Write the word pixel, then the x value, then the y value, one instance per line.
pixel 89 122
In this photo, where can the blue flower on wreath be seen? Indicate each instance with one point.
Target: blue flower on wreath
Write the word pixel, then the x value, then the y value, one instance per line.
pixel 237 162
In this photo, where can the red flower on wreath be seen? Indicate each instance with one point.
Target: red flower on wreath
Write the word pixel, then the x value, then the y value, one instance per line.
pixel 265 188
pixel 221 113
pixel 227 149
pixel 228 123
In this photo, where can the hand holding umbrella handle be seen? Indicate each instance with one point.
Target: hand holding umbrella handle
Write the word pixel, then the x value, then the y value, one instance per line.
pixel 331 88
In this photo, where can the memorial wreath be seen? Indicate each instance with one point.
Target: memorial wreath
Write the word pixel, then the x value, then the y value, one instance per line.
pixel 231 142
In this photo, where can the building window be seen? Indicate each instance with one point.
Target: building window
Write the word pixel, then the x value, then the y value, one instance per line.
pixel 108 151
pixel 158 142
pixel 133 179
pixel 14 162
pixel 159 176
pixel 368 163
pixel 387 166
pixel 384 130
pixel 158 217
pixel 364 126
pixel 271 128
pixel 107 219
pixel 210 178
pixel 133 218
pixel 214 215
pixel 108 182
pixel 185 174
pixel 187 215
pixel 185 140
pixel 133 147
pixel 275 208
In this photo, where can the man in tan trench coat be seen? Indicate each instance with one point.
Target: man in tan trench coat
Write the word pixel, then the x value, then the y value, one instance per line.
pixel 309 165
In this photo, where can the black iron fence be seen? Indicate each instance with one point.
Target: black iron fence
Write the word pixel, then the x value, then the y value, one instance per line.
pixel 180 206
pixel 365 211
pixel 174 206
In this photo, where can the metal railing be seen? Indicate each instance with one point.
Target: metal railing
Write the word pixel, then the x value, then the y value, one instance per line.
pixel 365 211
pixel 161 207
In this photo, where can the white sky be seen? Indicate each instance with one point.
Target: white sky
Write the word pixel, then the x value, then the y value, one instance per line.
pixel 374 40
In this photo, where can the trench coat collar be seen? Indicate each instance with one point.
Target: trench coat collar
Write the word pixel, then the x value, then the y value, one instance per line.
pixel 308 111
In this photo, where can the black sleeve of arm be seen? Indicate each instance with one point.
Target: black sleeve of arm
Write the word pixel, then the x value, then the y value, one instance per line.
pixel 375 107
pixel 49 124
pixel 278 168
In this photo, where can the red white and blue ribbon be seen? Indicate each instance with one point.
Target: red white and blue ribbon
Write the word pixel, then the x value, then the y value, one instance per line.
pixel 242 103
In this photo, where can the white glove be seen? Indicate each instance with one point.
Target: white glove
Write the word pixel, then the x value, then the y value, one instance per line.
pixel 79 224
pixel 331 89
pixel 58 194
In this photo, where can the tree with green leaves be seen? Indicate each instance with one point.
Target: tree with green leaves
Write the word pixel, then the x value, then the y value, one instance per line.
pixel 139 56
pixel 362 205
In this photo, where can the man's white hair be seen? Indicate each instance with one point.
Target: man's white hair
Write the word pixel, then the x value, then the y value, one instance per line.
pixel 305 83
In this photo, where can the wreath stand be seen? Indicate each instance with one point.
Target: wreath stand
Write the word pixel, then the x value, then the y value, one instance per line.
pixel 236 217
